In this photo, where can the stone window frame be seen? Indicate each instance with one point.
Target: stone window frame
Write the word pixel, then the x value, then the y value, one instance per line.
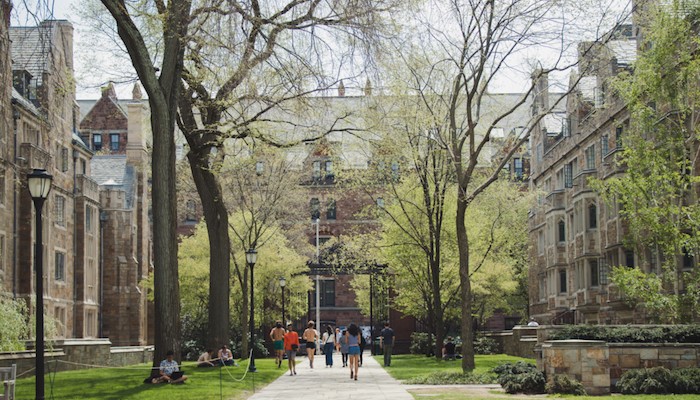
pixel 561 231
pixel 592 216
pixel 593 272
pixel 562 281
pixel 59 270
pixel 112 135
pixel 590 157
pixel 60 210
pixel 331 209
pixel 94 143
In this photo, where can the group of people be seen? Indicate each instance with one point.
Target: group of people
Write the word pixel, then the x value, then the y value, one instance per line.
pixel 349 342
pixel 224 358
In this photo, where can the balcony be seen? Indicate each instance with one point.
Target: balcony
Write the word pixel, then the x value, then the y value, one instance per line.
pixel 581 182
pixel 87 187
pixel 34 157
pixel 556 200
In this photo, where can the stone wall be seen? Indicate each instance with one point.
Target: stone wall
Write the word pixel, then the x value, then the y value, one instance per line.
pixel 518 342
pixel 583 360
pixel 626 356
pixel 79 354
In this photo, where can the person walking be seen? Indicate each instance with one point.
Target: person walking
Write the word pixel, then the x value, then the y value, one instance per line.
pixel 354 341
pixel 329 345
pixel 310 335
pixel 386 343
pixel 291 345
pixel 277 336
pixel 337 339
pixel 344 347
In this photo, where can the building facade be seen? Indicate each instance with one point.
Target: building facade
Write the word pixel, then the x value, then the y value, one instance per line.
pixel 575 236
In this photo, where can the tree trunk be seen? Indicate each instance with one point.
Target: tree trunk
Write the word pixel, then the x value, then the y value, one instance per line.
pixel 438 312
pixel 216 219
pixel 466 289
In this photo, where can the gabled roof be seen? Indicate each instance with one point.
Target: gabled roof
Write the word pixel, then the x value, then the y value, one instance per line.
pixel 113 171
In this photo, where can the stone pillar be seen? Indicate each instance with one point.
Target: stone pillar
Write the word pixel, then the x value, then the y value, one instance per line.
pixel 583 360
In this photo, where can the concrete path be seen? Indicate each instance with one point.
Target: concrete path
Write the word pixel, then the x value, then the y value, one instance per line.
pixel 373 382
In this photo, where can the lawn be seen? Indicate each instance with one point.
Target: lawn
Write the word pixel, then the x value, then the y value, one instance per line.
pixel 404 367
pixel 123 383
pixel 461 394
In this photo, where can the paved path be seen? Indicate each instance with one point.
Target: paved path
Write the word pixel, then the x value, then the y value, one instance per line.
pixel 373 382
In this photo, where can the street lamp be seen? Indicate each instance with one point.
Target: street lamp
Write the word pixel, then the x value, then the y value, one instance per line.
pixel 39 182
pixel 251 256
pixel 283 283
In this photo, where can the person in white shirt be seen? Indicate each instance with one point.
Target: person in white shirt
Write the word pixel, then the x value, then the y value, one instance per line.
pixel 328 345
pixel 204 360
pixel 532 322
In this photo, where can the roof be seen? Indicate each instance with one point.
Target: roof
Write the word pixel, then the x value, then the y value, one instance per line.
pixel 31 48
pixel 113 171
pixel 21 100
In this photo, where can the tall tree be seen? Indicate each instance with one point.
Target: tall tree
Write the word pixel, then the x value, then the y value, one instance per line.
pixel 162 83
pixel 658 194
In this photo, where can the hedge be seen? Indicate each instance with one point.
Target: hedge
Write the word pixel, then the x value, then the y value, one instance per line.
pixel 630 334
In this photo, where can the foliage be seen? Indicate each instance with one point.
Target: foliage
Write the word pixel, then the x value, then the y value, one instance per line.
pixel 422 343
pixel 13 323
pixel 562 384
pixel 520 377
pixel 660 380
pixel 630 334
pixel 203 383
pixel 452 378
pixel 657 194
pixel 485 345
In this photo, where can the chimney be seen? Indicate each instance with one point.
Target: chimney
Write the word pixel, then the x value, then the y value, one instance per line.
pixel 341 89
pixel 136 92
pixel 136 144
pixel 108 91
pixel 368 88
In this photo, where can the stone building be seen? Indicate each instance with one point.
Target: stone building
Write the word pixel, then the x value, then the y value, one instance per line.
pixel 574 235
pixel 41 133
pixel 121 171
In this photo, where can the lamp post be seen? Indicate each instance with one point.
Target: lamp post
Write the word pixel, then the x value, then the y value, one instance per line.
pixel 318 278
pixel 251 256
pixel 39 182
pixel 283 283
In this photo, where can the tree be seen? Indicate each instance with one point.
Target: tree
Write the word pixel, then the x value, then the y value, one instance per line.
pixel 163 85
pixel 658 193
pixel 463 54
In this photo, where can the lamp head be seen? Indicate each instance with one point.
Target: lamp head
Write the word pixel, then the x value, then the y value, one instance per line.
pixel 251 256
pixel 39 182
pixel 283 282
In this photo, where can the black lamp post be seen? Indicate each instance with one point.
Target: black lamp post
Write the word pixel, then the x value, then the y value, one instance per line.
pixel 283 283
pixel 39 182
pixel 251 256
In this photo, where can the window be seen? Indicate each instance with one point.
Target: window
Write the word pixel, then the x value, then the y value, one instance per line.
pixel 592 216
pixel 88 218
pixel 594 273
pixel 64 159
pixel 327 293
pixel 562 231
pixel 560 179
pixel 97 142
pixel 330 209
pixel 603 272
pixel 329 169
pixel 114 142
pixel 562 281
pixel 539 152
pixel 317 169
pixel 590 157
pixel 90 324
pixel 259 167
pixel 315 207
pixel 688 260
pixel 190 210
pixel 618 137
pixel 380 202
pixel 604 146
pixel 59 314
pixel 518 168
pixel 566 127
pixel 2 186
pixel 60 210
pixel 540 242
pixel 83 166
pixel 629 258
pixel 60 269
pixel 568 175
pixel 543 286
pixel 599 97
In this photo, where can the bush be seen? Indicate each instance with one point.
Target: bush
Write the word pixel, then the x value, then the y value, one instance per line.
pixel 520 377
pixel 452 378
pixel 485 345
pixel 422 343
pixel 660 380
pixel 562 384
pixel 630 334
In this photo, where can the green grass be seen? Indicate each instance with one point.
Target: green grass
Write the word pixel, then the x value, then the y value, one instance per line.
pixel 118 383
pixel 405 367
pixel 461 395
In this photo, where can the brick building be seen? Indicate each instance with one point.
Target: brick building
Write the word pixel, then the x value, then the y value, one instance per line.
pixel 39 131
pixel 121 171
pixel 574 235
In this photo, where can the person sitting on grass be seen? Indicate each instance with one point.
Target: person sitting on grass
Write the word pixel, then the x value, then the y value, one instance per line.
pixel 226 357
pixel 205 359
pixel 448 350
pixel 169 371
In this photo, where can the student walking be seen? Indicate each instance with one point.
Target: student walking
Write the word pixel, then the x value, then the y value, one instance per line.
pixel 344 347
pixel 328 345
pixel 354 349
pixel 277 336
pixel 291 345
pixel 310 336
pixel 386 343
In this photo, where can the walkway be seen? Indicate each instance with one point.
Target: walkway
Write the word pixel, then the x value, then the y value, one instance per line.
pixel 373 382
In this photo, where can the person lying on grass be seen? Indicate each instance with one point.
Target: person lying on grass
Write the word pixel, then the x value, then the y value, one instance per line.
pixel 169 371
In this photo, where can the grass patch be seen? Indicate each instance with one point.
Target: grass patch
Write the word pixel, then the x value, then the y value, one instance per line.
pixel 452 378
pixel 118 383
pixel 413 367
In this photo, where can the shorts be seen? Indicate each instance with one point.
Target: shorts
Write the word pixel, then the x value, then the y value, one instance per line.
pixel 177 375
pixel 278 344
pixel 354 350
pixel 310 345
pixel 291 354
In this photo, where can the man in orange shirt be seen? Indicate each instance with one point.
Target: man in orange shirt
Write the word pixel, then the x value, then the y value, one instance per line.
pixel 291 345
